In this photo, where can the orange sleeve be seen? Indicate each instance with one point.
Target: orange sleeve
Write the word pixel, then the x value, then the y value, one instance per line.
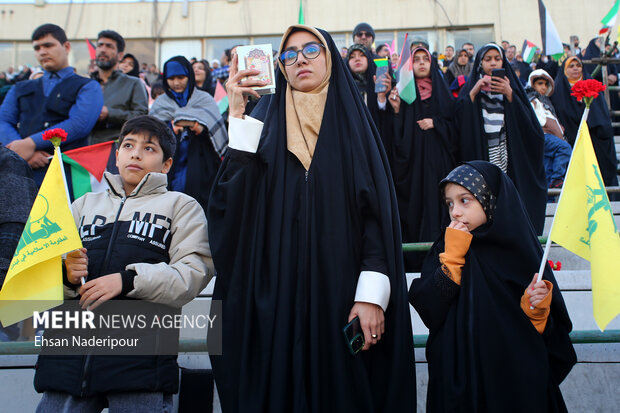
pixel 453 258
pixel 538 316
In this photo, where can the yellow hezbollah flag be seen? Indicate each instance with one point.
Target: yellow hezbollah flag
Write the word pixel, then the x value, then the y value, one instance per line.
pixel 34 279
pixel 584 224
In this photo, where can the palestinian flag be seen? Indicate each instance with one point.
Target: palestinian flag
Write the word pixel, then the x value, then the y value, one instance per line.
pixel 86 167
pixel 221 98
pixel 92 52
pixel 404 74
pixel 552 45
pixel 610 19
pixel 528 51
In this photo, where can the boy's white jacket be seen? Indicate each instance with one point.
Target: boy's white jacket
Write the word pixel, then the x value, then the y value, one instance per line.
pixel 152 218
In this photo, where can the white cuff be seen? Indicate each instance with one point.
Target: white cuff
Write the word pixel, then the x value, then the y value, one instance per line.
pixel 382 105
pixel 373 287
pixel 244 134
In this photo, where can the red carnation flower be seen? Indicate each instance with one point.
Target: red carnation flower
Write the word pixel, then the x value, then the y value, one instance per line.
pixel 55 135
pixel 587 89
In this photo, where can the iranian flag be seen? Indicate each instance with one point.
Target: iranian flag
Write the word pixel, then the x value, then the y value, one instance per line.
pixel 221 98
pixel 404 74
pixel 528 51
pixel 610 19
pixel 87 165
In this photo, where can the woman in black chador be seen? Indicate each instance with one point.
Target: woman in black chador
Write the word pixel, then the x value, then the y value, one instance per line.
pixel 496 123
pixel 363 68
pixel 498 338
pixel 569 112
pixel 304 232
pixel 423 153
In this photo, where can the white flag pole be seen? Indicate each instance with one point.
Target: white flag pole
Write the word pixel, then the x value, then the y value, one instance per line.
pixel 64 181
pixel 541 269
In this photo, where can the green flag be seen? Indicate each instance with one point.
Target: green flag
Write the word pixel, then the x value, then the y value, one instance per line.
pixel 301 19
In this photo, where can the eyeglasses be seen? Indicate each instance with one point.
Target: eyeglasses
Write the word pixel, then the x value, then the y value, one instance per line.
pixel 310 51
pixel 363 34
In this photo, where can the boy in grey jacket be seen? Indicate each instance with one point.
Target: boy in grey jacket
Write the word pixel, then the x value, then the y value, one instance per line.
pixel 143 242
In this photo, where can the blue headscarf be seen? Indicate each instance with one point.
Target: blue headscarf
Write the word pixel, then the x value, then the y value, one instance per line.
pixel 178 67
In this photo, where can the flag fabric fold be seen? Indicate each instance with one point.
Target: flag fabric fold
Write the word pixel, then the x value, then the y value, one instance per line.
pixel 405 82
pixel 87 165
pixel 528 51
pixel 301 19
pixel 551 42
pixel 584 224
pixel 610 19
pixel 34 279
pixel 221 98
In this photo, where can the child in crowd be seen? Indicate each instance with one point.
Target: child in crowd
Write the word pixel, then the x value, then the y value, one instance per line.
pixel 557 151
pixel 169 264
pixel 499 340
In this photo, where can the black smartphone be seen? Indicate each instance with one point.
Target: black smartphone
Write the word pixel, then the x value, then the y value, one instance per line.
pixel 498 73
pixel 354 336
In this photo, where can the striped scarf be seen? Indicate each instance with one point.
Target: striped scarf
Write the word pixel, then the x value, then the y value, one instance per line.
pixel 494 128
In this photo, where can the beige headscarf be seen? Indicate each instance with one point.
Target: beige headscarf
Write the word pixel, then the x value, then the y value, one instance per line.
pixel 304 110
pixel 568 62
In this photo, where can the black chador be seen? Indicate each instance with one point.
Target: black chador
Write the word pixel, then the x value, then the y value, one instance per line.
pixel 569 112
pixel 420 159
pixel 484 354
pixel 523 134
pixel 288 245
pixel 382 118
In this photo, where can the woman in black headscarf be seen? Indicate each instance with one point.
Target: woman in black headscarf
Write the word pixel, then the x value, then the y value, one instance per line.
pixel 497 124
pixel 304 232
pixel 201 134
pixel 569 112
pixel 488 350
pixel 460 66
pixel 423 153
pixel 203 76
pixel 363 68
pixel 130 65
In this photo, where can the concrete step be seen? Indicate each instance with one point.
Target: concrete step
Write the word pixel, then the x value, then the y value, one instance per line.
pixel 570 261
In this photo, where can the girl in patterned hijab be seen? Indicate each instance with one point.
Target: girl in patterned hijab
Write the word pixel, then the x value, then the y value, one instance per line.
pixel 486 313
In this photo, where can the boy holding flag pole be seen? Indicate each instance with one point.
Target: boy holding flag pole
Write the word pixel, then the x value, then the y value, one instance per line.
pixel 34 279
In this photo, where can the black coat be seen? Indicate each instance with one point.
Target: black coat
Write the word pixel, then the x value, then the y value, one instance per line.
pixel 524 137
pixel 288 247
pixel 420 159
pixel 569 112
pixel 484 354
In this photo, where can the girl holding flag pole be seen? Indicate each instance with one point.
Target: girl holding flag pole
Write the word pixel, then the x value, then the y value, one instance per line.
pixel 498 336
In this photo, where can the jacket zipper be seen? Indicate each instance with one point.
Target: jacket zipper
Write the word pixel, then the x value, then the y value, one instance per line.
pixel 104 267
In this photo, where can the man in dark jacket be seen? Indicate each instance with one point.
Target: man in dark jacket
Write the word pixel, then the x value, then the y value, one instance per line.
pixel 124 97
pixel 60 99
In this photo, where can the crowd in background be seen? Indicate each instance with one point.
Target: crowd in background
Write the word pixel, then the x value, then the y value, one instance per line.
pixel 460 106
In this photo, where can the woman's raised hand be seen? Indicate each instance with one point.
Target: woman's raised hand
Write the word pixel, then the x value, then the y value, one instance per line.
pixel 238 88
pixel 501 85
pixel 395 100
pixel 385 81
